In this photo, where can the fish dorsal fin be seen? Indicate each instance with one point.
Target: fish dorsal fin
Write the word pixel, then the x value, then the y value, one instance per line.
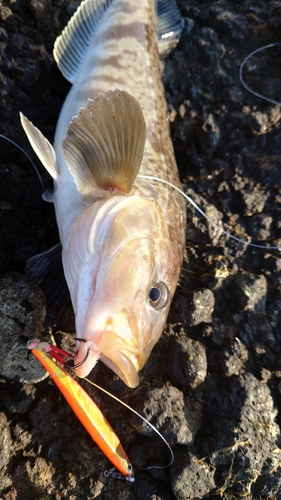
pixel 169 26
pixel 74 41
pixel 40 145
pixel 104 144
pixel 71 46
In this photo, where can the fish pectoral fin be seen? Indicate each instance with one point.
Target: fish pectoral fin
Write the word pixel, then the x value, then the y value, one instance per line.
pixel 46 270
pixel 40 145
pixel 104 144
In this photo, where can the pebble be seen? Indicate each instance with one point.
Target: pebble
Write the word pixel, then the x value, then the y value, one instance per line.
pixel 5 441
pixel 38 8
pixel 200 308
pixel 234 359
pixel 5 13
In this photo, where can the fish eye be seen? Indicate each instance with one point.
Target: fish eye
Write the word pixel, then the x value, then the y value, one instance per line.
pixel 158 295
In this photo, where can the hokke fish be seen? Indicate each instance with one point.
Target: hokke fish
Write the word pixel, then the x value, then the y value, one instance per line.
pixel 122 235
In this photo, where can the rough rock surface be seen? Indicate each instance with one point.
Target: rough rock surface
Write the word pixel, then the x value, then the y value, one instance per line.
pixel 212 383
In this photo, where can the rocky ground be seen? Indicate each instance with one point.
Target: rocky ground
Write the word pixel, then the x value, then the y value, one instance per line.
pixel 212 384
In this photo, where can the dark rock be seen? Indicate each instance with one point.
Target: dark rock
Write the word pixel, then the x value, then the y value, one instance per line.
pixel 22 313
pixel 251 292
pixel 187 362
pixel 245 409
pixel 147 487
pixel 228 25
pixel 268 483
pixel 163 407
pixel 21 397
pixel 200 307
pixel 38 7
pixel 260 227
pixel 212 131
pixel 234 360
pixel 191 478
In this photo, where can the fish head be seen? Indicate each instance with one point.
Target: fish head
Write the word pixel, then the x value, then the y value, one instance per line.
pixel 124 287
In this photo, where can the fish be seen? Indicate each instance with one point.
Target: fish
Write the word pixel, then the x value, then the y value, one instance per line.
pixel 122 233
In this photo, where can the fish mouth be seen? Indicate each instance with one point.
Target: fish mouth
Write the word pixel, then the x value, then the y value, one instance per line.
pixel 111 350
pixel 120 364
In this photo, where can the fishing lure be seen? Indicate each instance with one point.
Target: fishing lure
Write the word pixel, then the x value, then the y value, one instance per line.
pixel 83 406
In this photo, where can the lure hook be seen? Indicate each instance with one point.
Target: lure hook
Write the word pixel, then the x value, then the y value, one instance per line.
pixel 82 360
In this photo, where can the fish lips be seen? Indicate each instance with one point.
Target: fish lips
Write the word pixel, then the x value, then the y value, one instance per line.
pixel 112 356
pixel 122 366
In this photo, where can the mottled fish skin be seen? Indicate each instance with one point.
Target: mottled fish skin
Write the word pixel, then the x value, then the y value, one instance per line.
pixel 124 55
pixel 117 246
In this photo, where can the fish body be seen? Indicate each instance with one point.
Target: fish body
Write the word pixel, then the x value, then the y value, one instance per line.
pixel 122 235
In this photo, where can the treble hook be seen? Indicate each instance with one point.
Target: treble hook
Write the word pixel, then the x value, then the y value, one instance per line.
pixel 58 353
pixel 117 475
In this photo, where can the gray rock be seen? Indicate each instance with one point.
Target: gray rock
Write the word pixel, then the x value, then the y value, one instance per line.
pixel 22 312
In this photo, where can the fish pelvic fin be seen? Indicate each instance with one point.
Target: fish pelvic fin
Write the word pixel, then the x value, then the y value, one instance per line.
pixel 42 147
pixel 71 46
pixel 104 144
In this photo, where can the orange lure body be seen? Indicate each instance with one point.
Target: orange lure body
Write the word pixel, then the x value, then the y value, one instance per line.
pixel 87 411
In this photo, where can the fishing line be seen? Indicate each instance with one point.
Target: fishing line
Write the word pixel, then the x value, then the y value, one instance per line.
pixel 190 200
pixel 27 156
pixel 241 78
pixel 144 420
pixel 150 177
